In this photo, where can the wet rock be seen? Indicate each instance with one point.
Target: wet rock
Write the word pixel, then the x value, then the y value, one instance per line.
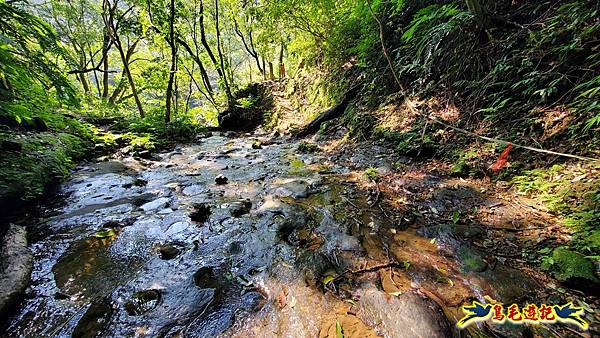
pixel 470 260
pixel 145 154
pixel 220 180
pixel 142 199
pixel 142 302
pixel 159 203
pixel 95 320
pixel 408 315
pixel 138 182
pixel 257 145
pixel 508 285
pixel 168 251
pixel 235 248
pixel 118 224
pixel 205 278
pixel 200 213
pixel 240 208
pixel 294 188
pixel 61 296
pixel 15 268
pixel 8 145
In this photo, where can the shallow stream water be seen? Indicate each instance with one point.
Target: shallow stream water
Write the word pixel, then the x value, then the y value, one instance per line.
pixel 158 248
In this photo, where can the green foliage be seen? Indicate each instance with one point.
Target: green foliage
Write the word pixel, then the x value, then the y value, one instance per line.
pixel 570 266
pixel 372 174
pixel 305 147
pixel 28 47
pixel 572 195
pixel 44 159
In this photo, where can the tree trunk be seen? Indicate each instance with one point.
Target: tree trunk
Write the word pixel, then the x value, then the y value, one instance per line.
pixel 121 86
pixel 204 41
pixel 475 7
pixel 330 113
pixel 196 58
pixel 271 73
pixel 281 64
pixel 169 98
pixel 105 50
pixel 230 99
pixel 138 103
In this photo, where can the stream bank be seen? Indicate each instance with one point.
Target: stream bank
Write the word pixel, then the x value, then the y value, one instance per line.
pixel 254 235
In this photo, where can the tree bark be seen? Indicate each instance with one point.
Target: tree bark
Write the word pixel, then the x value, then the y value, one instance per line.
pixel 169 98
pixel 281 64
pixel 475 7
pixel 230 99
pixel 203 72
pixel 271 73
pixel 105 50
pixel 211 55
pixel 117 41
pixel 330 113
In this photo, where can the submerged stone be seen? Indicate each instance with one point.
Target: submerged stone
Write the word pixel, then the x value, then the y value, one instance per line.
pixel 142 302
pixel 220 180
pixel 95 320
pixel 200 213
pixel 168 251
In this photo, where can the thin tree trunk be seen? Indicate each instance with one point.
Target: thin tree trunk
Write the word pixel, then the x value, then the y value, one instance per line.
pixel 169 98
pixel 271 73
pixel 105 50
pixel 121 85
pixel 204 41
pixel 230 98
pixel 109 22
pixel 475 7
pixel 203 72
pixel 281 64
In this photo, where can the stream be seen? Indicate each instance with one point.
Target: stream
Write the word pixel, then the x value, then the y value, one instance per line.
pixel 244 236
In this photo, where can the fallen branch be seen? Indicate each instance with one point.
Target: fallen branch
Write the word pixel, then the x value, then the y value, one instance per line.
pixel 368 269
pixel 329 114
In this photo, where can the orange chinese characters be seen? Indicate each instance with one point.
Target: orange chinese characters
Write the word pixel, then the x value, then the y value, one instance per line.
pixel 514 315
pixel 547 313
pixel 498 316
pixel 530 313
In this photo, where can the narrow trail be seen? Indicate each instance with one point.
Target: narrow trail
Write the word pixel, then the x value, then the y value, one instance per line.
pixel 164 247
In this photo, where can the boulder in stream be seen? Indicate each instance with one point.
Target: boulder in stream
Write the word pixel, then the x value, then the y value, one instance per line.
pixel 15 270
pixel 405 316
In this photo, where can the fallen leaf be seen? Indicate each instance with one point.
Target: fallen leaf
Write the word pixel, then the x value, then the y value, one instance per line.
pixel 339 332
pixel 502 159
pixel 292 302
pixel 328 280
pixel 105 233
pixel 281 300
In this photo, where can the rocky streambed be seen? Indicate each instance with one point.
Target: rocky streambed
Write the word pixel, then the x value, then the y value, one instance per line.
pixel 246 236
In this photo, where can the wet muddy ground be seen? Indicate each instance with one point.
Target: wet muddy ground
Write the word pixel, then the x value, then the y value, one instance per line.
pixel 246 236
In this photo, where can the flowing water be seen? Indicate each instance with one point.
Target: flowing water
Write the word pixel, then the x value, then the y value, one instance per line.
pixel 158 248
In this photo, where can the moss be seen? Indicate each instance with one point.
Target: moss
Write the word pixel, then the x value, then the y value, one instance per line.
pixel 470 260
pixel 571 267
pixel 305 147
pixel 372 174
pixel 44 158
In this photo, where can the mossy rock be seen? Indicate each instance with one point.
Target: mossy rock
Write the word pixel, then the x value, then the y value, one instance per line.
pixel 471 260
pixel 573 269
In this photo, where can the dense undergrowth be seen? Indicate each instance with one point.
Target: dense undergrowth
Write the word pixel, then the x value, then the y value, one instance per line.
pixel 530 75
